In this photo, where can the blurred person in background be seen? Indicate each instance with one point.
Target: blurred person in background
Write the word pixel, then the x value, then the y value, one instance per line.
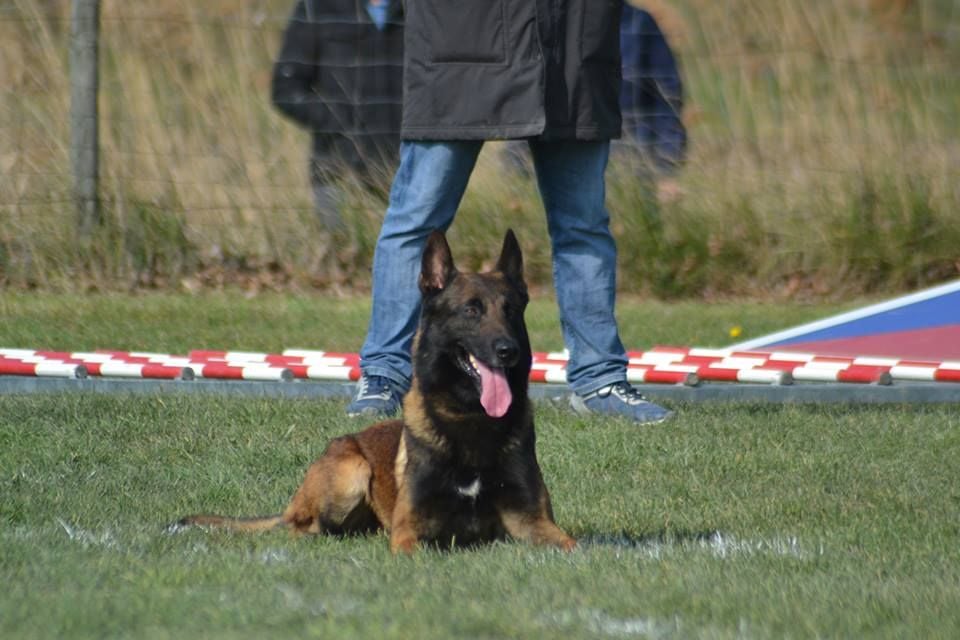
pixel 339 75
pixel 545 71
pixel 651 101
pixel 654 140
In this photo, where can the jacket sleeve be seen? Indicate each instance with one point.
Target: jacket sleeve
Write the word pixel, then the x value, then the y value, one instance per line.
pixel 295 71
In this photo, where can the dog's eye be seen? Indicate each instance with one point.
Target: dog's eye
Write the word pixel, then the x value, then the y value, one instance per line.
pixel 472 309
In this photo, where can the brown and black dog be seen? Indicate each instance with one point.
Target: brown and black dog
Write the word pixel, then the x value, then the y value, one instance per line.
pixel 461 468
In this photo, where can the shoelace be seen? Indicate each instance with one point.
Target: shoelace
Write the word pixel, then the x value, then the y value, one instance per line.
pixel 379 389
pixel 627 393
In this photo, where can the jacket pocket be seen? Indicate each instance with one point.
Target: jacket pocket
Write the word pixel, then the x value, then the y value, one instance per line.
pixel 599 32
pixel 472 31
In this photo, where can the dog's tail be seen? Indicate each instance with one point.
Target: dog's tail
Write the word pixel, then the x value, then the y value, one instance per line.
pixel 265 523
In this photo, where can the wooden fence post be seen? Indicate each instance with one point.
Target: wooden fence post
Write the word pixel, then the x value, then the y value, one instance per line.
pixel 84 115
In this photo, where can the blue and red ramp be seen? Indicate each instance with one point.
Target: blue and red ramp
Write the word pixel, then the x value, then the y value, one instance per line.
pixel 920 326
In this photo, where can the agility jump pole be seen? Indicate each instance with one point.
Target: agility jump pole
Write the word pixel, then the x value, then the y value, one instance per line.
pixel 659 365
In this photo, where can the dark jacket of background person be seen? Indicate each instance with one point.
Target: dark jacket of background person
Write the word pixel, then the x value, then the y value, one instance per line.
pixel 341 77
pixel 651 98
pixel 494 69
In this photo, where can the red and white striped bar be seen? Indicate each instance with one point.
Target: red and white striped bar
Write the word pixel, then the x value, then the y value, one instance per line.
pixel 40 354
pixel 308 354
pixel 832 371
pixel 667 355
pixel 163 366
pixel 712 373
pixel 276 360
pixel 679 353
pixel 320 361
pixel 106 366
pixel 224 371
pixel 209 368
pixel 852 373
pixel 806 367
pixel 243 356
pixel 139 356
pixel 946 371
pixel 548 373
pixel 668 370
pixel 551 367
pixel 659 365
pixel 325 372
pixel 325 368
pixel 115 369
pixel 40 368
pixel 555 373
pixel 655 375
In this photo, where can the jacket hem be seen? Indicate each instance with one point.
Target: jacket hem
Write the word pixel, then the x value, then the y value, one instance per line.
pixel 485 132
pixel 506 133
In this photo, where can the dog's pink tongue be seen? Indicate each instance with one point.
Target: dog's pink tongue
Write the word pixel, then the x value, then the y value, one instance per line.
pixel 495 393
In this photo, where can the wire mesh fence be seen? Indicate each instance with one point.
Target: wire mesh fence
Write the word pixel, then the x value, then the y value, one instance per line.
pixel 824 138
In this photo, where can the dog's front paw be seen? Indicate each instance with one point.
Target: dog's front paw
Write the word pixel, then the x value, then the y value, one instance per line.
pixel 404 544
pixel 568 544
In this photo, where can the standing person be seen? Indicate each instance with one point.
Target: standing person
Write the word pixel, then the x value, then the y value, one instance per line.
pixel 651 101
pixel 339 75
pixel 547 71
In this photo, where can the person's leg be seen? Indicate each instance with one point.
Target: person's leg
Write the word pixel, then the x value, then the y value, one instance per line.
pixel 571 180
pixel 327 195
pixel 426 192
pixel 570 176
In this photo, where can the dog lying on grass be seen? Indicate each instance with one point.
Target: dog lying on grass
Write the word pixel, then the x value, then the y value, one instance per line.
pixel 460 468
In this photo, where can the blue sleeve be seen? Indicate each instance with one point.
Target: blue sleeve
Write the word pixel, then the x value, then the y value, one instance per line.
pixel 652 91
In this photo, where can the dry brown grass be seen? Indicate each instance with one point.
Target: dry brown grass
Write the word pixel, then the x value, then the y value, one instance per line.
pixel 824 151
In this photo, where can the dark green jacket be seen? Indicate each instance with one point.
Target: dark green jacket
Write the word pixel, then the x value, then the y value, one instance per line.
pixel 493 69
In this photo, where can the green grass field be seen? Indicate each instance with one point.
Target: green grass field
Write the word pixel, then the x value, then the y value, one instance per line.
pixel 742 521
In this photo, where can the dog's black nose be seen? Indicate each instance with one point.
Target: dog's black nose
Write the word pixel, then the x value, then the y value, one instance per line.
pixel 506 350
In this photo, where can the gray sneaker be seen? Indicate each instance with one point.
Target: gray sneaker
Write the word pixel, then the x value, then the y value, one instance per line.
pixel 377 397
pixel 620 399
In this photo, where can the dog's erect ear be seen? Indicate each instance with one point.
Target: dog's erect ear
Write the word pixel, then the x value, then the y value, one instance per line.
pixel 510 263
pixel 437 269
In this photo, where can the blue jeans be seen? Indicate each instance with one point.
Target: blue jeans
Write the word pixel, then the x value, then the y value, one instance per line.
pixel 426 192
